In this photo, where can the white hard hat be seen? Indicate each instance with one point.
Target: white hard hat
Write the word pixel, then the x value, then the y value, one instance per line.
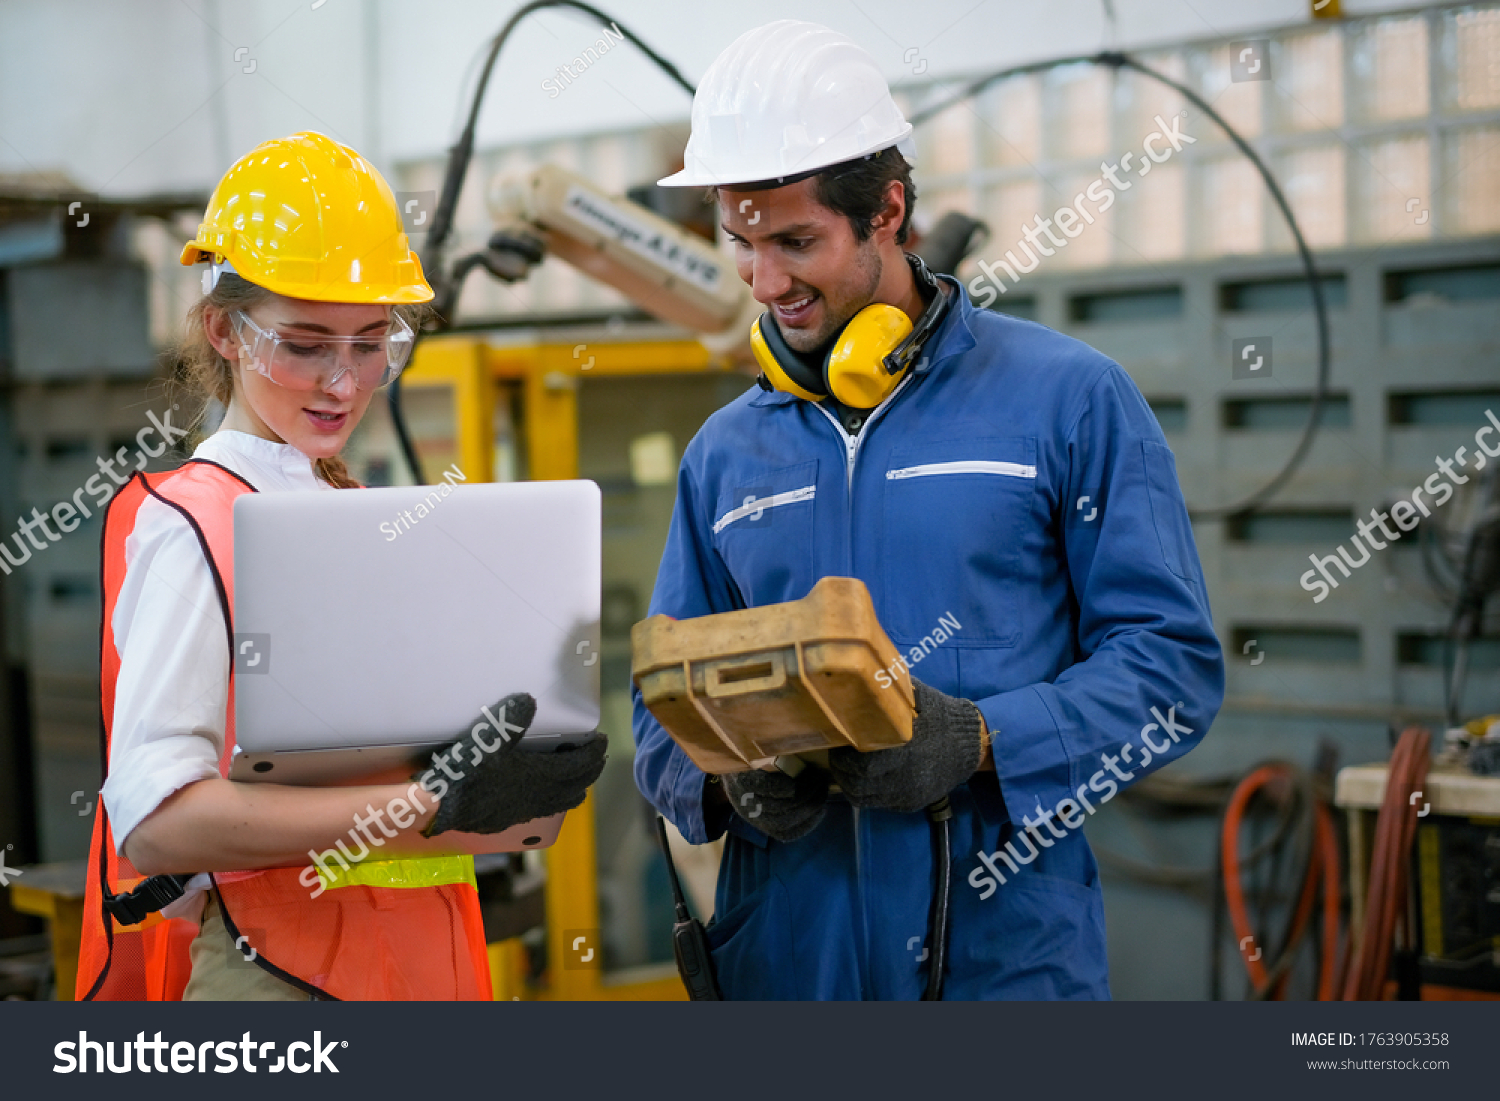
pixel 786 100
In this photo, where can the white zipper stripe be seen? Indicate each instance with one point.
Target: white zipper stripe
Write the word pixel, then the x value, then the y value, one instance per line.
pixel 757 504
pixel 852 444
pixel 966 466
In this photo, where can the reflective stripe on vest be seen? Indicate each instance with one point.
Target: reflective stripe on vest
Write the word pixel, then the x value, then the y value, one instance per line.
pixel 427 871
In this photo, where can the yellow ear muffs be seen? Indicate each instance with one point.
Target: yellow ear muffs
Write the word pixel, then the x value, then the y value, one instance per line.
pixel 764 342
pixel 856 370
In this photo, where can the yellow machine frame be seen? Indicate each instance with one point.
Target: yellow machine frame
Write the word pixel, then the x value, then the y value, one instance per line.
pixel 549 375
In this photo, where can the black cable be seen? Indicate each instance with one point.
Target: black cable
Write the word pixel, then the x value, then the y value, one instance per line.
pixel 695 961
pixel 459 157
pixel 1268 893
pixel 403 437
pixel 1477 578
pixel 1320 307
pixel 1116 60
pixel 463 150
pixel 507 256
pixel 679 900
pixel 1284 958
pixel 1190 881
pixel 1431 540
pixel 940 814
pixel 1454 688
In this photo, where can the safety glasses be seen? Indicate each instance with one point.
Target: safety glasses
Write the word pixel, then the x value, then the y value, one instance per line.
pixel 316 362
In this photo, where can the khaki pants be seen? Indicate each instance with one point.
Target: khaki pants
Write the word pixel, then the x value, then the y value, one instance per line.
pixel 221 973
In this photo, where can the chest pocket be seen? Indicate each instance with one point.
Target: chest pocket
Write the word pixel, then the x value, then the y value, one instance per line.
pixel 957 515
pixel 763 530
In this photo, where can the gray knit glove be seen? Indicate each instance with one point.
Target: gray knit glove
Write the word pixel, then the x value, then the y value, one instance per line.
pixel 780 806
pixel 498 783
pixel 946 748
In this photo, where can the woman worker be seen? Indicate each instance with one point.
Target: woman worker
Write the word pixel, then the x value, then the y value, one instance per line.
pixel 310 302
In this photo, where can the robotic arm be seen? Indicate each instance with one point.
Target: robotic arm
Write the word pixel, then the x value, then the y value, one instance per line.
pixel 671 273
pixel 667 270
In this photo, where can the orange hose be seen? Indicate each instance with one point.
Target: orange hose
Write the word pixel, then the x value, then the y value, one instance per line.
pixel 1234 893
pixel 1323 864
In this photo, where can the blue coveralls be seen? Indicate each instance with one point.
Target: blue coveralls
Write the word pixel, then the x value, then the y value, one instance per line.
pixel 1018 484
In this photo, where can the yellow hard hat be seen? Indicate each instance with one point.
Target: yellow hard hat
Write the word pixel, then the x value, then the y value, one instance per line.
pixel 309 218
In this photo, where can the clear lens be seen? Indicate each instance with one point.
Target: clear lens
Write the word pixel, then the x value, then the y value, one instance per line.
pixel 316 361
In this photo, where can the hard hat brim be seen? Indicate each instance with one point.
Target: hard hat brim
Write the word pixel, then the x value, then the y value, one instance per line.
pixel 398 295
pixel 192 254
pixel 703 177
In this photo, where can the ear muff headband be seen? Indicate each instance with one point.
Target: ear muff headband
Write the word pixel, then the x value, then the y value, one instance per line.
pixel 784 369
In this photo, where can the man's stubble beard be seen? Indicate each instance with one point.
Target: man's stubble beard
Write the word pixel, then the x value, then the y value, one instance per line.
pixel 867 263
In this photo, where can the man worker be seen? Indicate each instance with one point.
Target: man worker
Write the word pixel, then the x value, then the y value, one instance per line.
pixel 1012 481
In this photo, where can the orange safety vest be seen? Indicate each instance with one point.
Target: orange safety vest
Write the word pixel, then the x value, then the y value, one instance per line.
pixel 378 936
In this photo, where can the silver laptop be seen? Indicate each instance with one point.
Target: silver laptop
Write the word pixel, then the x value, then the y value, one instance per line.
pixel 372 626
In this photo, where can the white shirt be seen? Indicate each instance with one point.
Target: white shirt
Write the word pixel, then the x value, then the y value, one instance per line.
pixel 168 629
